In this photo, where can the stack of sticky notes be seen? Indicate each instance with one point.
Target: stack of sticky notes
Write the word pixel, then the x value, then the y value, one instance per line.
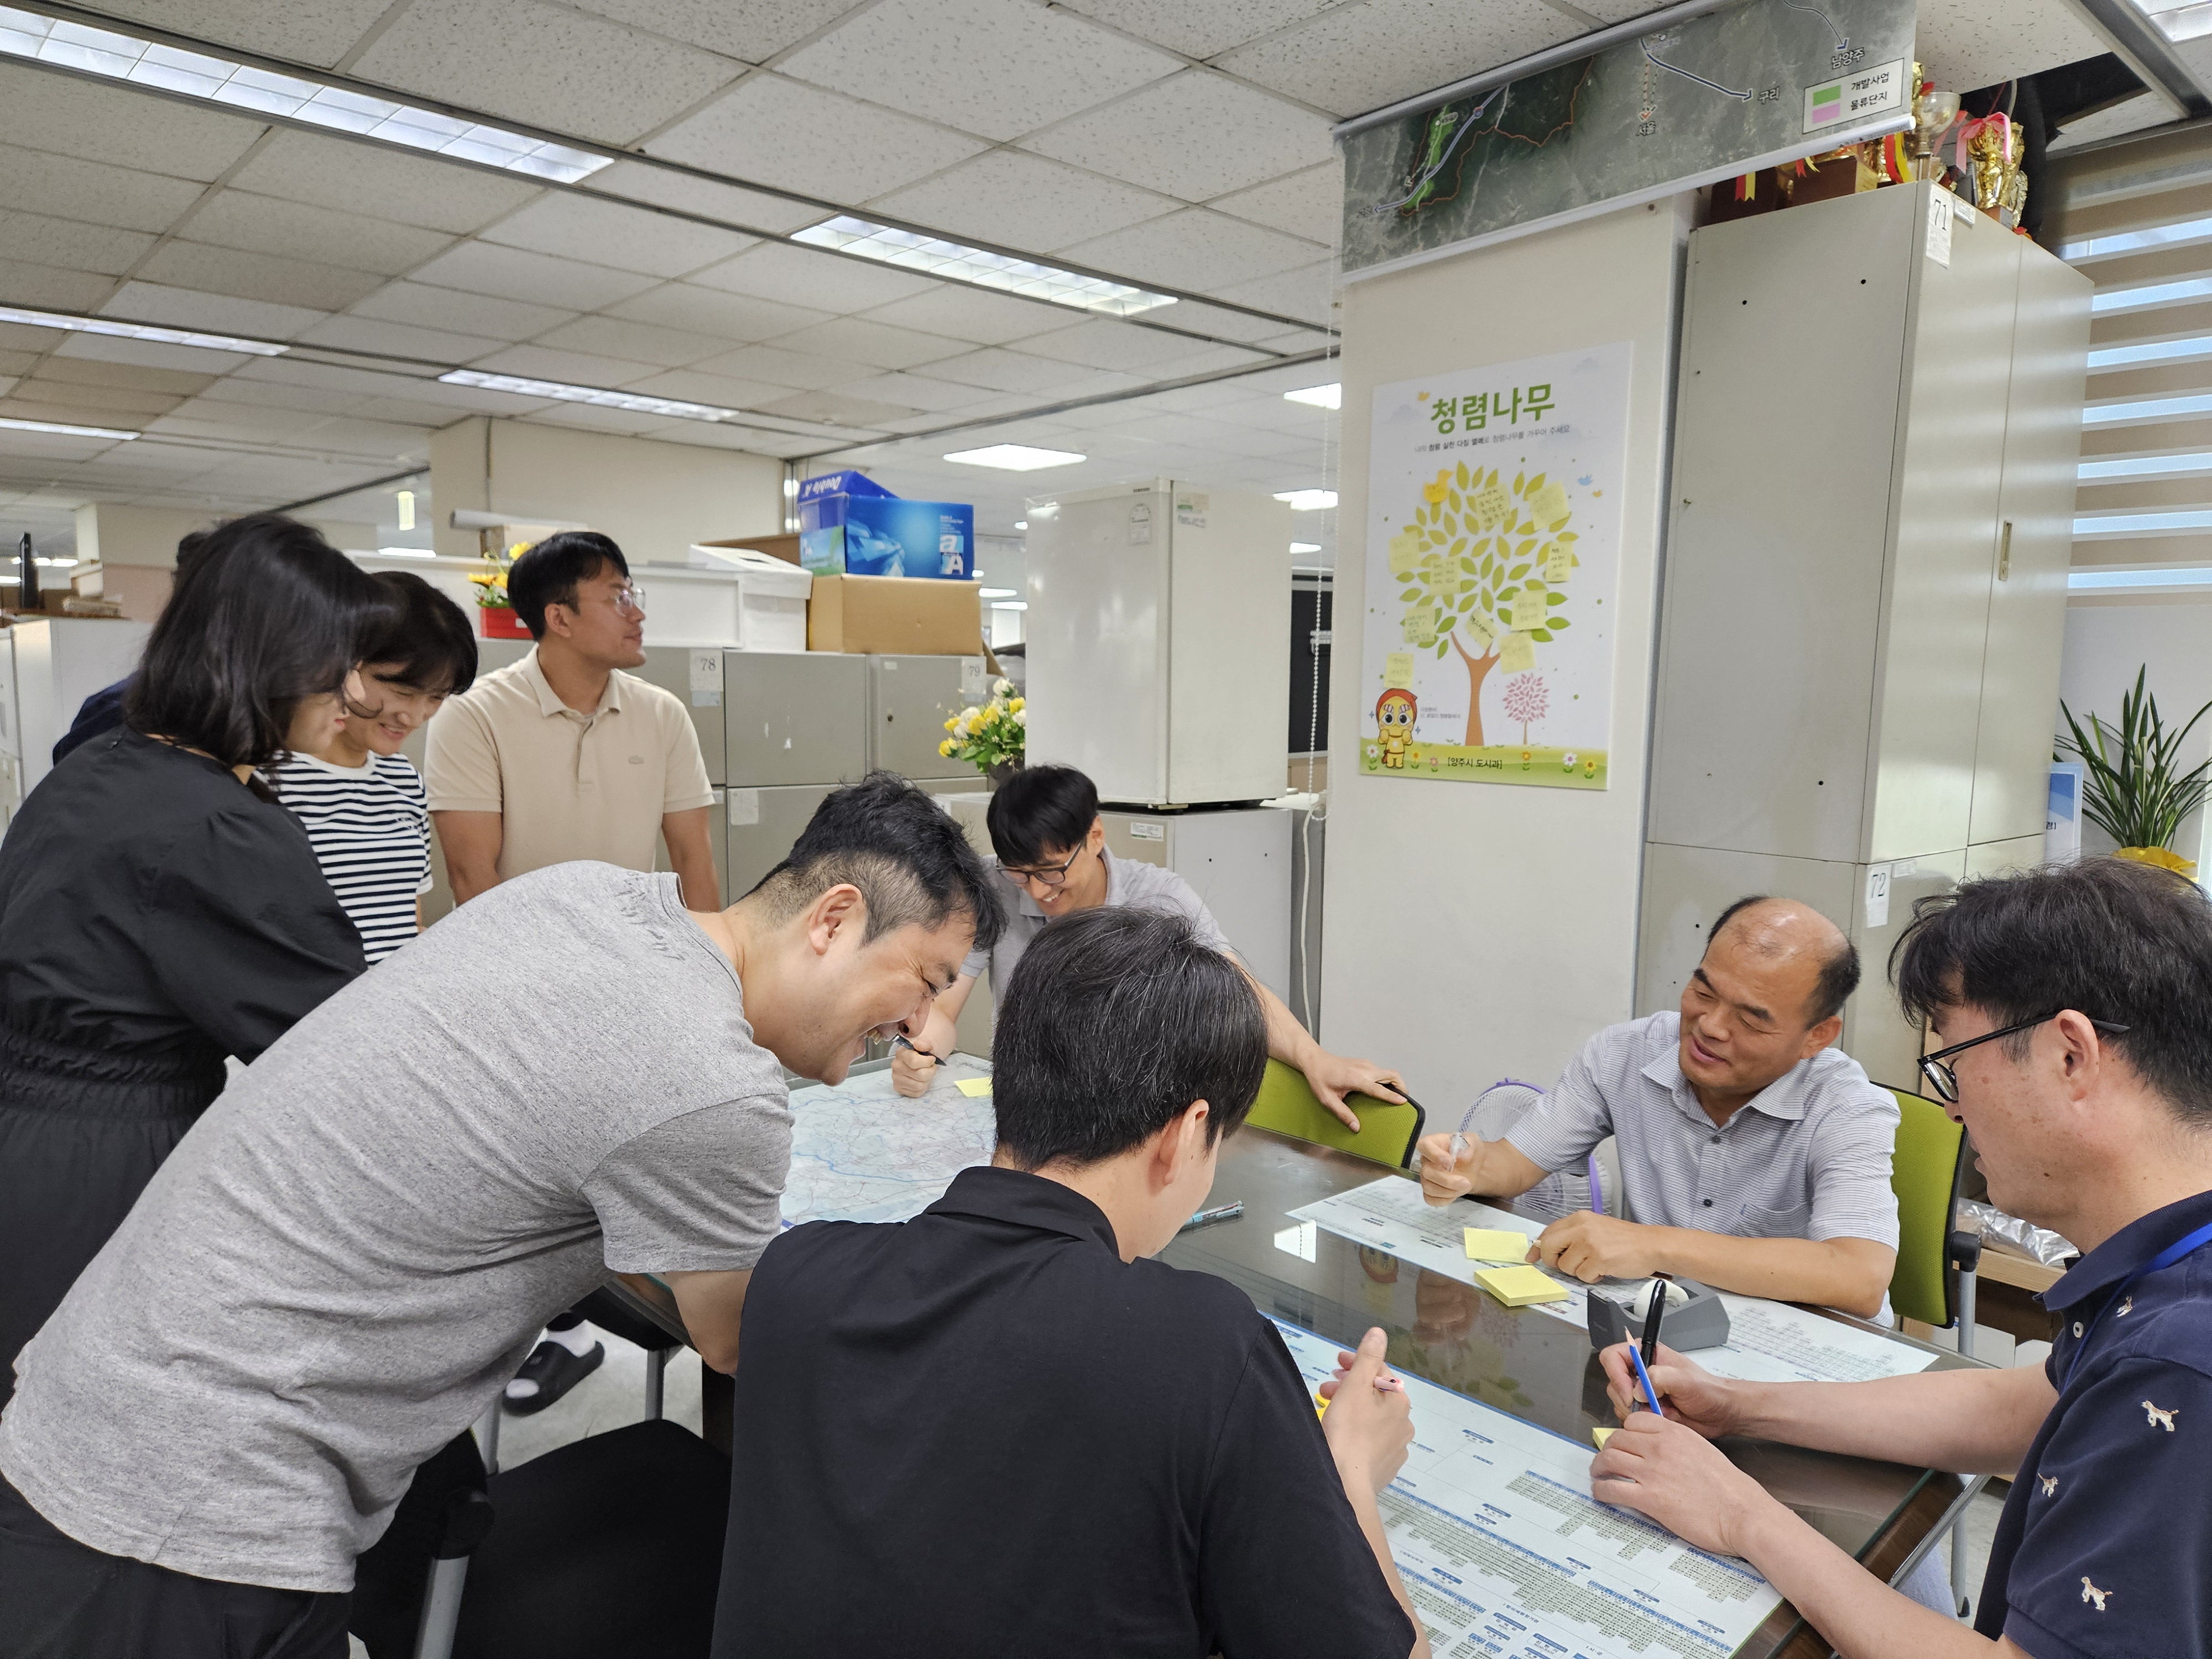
pixel 1496 1244
pixel 975 1087
pixel 1520 1287
pixel 1602 1436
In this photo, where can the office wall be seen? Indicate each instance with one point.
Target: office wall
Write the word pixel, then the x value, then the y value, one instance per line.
pixel 654 498
pixel 2107 640
pixel 1475 931
pixel 110 535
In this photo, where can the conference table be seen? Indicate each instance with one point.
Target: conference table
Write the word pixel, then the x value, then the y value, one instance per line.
pixel 1519 1361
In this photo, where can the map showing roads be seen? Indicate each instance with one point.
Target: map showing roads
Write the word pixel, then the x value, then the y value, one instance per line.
pixel 860 1152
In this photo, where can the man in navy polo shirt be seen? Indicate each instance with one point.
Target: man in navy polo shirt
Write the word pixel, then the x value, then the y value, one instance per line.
pixel 2071 1011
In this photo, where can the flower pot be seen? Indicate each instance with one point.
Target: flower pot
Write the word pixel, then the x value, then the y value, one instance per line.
pixel 999 773
pixel 2164 858
pixel 499 621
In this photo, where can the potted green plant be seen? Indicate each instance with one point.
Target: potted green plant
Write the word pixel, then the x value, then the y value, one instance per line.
pixel 2133 790
pixel 990 738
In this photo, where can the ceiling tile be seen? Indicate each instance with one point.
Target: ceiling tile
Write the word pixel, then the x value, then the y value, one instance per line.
pixel 352 178
pixel 1309 205
pixel 608 234
pixel 790 369
pixel 108 371
pixel 278 394
pixel 708 311
pixel 2147 109
pixel 148 355
pixel 1195 249
pixel 356 333
pixel 755 211
pixel 576 368
pixel 268 224
pixel 257 275
pixel 528 60
pixel 721 390
pixel 1007 371
pixel 1305 293
pixel 836 408
pixel 967 313
pixel 774 130
pixel 753 30
pixel 920 391
pixel 98 194
pixel 999 68
pixel 218 313
pixel 1966 44
pixel 1199 31
pixel 1023 201
pixel 805 276
pixel 615 337
pixel 540 278
pixel 319 32
pixel 115 399
pixel 1354 58
pixel 1197 136
pixel 1150 352
pixel 879 345
pixel 70 243
pixel 28 285
pixel 463 313
pixel 753 439
pixel 601 420
pixel 41 110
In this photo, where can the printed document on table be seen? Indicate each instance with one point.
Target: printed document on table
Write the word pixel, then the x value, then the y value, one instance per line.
pixel 860 1152
pixel 1506 1554
pixel 1768 1341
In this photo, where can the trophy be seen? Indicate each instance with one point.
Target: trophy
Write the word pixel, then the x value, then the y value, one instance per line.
pixel 1932 112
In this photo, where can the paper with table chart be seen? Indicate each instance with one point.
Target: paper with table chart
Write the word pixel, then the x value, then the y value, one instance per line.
pixel 1506 1554
pixel 1768 1341
pixel 860 1152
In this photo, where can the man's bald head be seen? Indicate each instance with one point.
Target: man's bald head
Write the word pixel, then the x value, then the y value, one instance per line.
pixel 1777 929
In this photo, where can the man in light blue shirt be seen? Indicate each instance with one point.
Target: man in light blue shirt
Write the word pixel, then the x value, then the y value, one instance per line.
pixel 1755 1157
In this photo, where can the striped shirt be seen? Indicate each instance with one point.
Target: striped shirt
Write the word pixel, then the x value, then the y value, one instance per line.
pixel 1808 1156
pixel 370 827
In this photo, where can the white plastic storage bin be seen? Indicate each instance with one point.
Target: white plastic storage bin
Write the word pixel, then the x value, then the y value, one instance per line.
pixel 771 597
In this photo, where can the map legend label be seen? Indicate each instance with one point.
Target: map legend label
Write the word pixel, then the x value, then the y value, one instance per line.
pixel 1856 98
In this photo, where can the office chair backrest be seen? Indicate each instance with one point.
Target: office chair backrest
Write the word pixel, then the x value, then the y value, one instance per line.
pixel 1925 1174
pixel 1287 1105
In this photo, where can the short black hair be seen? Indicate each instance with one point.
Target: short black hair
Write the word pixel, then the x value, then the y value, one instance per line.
pixel 2112 939
pixel 1839 973
pixel 907 854
pixel 1040 809
pixel 548 573
pixel 1116 1019
pixel 429 638
pixel 264 614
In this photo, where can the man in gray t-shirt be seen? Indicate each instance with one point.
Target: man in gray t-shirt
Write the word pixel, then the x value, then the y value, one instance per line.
pixel 1052 862
pixel 341 1265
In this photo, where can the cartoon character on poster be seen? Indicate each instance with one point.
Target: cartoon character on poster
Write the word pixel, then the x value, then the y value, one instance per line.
pixel 1394 714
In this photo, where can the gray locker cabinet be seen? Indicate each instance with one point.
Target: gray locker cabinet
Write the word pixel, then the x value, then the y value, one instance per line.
pixel 693 676
pixel 793 717
pixel 1237 861
pixel 762 824
pixel 909 700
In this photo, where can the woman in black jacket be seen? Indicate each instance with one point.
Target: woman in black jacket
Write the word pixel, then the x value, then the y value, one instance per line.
pixel 158 908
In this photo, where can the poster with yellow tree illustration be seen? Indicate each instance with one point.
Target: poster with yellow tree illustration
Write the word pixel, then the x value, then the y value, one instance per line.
pixel 1493 532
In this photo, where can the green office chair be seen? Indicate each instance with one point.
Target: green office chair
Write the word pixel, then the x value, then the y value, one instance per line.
pixel 1935 1262
pixel 1387 1134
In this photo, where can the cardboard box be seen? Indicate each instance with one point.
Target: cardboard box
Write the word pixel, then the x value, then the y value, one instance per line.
pixel 841 484
pixel 909 615
pixel 886 536
pixel 784 546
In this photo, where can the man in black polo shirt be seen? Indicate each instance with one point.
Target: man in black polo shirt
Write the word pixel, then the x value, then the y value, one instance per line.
pixel 998 1429
pixel 2071 1011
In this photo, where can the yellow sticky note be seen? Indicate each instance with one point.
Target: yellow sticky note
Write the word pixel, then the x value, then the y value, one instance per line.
pixel 1398 670
pixel 1529 610
pixel 1496 1244
pixel 1602 1436
pixel 1320 1407
pixel 974 1086
pixel 1486 507
pixel 1548 505
pixel 1559 562
pixel 1517 654
pixel 1519 1287
pixel 1474 636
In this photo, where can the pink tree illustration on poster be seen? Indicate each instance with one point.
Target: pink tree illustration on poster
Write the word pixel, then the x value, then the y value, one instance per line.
pixel 1526 700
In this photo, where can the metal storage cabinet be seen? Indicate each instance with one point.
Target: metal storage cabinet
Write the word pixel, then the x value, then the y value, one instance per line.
pixel 796 726
pixel 1865 588
pixel 909 700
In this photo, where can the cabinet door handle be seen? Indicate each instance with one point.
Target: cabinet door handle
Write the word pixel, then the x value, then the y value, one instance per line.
pixel 2004 553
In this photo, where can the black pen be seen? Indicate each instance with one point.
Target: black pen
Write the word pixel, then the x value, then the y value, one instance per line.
pixel 1659 1283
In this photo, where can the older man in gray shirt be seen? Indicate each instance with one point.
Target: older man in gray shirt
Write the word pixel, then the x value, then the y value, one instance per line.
pixel 571 1078
pixel 1756 1157
pixel 1051 847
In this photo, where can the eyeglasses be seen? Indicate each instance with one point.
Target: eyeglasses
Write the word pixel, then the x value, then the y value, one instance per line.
pixel 1056 877
pixel 1945 1081
pixel 628 600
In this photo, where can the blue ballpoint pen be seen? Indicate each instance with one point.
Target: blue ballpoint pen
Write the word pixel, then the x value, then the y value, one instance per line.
pixel 1644 1377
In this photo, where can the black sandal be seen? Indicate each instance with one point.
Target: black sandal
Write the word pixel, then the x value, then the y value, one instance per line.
pixel 555 1370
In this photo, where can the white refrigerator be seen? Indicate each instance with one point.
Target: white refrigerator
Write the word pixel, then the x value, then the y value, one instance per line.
pixel 1157 613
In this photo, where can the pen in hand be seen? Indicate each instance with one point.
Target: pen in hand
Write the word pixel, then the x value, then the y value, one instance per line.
pixel 1649 1352
pixel 900 1040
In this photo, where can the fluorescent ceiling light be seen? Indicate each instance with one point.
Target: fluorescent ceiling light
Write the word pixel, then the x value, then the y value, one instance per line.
pixel 1320 396
pixel 183 336
pixel 2145 466
pixel 1009 604
pixel 1016 458
pixel 67 431
pixel 2146 409
pixel 57 564
pixel 2140 524
pixel 960 263
pixel 117 57
pixel 2137 241
pixel 1307 501
pixel 2150 351
pixel 1021 523
pixel 1306 547
pixel 2178 20
pixel 2139 581
pixel 599 396
pixel 998 593
pixel 2144 296
pixel 405 553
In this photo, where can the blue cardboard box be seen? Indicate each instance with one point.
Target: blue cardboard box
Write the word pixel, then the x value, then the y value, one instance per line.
pixel 843 483
pixel 885 536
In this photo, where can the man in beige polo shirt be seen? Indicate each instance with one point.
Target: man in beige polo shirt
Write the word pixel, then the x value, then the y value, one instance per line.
pixel 564 756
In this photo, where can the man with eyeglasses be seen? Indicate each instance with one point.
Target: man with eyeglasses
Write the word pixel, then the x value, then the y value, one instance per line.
pixel 2073 1009
pixel 563 757
pixel 1051 847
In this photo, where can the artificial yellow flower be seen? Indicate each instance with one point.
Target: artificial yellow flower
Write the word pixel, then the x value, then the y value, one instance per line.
pixel 946 748
pixel 1017 705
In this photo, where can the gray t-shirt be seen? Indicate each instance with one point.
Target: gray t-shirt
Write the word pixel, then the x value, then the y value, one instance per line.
pixel 1147 886
pixel 341 1265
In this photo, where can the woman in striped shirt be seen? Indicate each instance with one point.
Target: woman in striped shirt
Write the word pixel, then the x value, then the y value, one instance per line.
pixel 361 800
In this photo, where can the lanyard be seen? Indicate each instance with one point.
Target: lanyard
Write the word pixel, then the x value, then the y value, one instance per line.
pixel 2165 1259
